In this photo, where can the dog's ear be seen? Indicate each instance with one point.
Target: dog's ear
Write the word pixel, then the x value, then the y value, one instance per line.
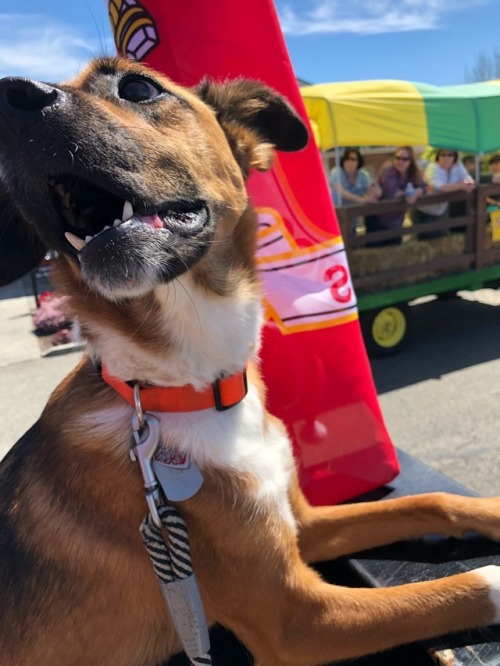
pixel 20 248
pixel 256 120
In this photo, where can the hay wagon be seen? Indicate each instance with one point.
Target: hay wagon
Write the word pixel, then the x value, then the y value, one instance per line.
pixel 465 256
pixel 397 113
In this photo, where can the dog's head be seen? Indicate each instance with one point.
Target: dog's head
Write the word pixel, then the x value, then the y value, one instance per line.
pixel 131 178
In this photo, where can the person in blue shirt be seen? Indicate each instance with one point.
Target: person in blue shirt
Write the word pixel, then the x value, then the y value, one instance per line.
pixel 350 183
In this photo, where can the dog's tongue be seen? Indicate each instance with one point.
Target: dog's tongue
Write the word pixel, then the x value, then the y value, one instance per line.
pixel 153 220
pixel 101 239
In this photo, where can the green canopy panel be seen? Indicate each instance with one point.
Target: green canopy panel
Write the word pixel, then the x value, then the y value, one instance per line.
pixel 395 113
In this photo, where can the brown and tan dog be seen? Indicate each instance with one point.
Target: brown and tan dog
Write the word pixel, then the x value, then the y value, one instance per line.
pixel 139 185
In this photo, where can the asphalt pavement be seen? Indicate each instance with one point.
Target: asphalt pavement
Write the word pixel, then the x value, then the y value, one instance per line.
pixel 26 377
pixel 440 397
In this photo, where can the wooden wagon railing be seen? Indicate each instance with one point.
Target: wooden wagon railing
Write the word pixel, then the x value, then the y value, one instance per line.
pixel 474 252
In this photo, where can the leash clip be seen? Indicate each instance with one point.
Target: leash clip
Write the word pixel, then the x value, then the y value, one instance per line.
pixel 147 438
pixel 138 406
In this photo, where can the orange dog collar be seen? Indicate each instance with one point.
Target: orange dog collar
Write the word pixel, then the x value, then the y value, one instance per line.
pixel 221 395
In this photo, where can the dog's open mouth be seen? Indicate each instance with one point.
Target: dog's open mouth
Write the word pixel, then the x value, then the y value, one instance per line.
pixel 88 211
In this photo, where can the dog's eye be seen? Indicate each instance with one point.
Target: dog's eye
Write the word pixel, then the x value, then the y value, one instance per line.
pixel 135 89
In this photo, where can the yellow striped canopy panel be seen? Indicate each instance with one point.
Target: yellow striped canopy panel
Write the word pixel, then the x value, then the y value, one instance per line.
pixel 396 113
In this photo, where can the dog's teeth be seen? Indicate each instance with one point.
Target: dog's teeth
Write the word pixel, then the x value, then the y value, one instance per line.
pixel 128 211
pixel 88 238
pixel 76 242
pixel 106 227
pixel 117 223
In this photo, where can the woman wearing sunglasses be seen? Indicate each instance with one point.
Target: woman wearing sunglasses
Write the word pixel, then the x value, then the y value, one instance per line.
pixel 395 182
pixel 445 174
pixel 350 184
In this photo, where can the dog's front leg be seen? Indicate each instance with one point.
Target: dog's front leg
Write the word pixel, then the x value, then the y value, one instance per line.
pixel 326 533
pixel 253 580
pixel 314 623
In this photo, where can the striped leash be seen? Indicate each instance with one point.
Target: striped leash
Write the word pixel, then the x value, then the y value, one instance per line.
pixel 170 555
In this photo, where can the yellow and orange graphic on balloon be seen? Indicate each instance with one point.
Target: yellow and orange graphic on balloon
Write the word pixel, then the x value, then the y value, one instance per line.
pixel 133 27
pixel 306 288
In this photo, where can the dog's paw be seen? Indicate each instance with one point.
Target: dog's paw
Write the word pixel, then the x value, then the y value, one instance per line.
pixel 491 574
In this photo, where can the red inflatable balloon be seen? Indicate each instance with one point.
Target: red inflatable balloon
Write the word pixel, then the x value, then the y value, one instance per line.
pixel 313 356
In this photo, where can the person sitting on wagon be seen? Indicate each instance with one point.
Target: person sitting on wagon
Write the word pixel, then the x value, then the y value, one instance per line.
pixel 445 174
pixel 350 184
pixel 469 162
pixel 399 180
pixel 493 203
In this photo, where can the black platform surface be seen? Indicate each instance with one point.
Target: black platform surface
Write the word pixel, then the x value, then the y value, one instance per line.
pixel 433 557
pixel 404 562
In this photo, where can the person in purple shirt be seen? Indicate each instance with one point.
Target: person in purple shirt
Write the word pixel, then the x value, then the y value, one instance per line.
pixel 393 182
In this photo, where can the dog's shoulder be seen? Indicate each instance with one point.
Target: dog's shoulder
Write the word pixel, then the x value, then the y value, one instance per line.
pixel 14 465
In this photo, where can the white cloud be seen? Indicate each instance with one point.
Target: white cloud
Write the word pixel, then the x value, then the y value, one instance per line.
pixel 39 47
pixel 367 16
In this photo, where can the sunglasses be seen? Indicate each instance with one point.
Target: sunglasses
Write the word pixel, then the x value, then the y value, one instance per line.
pixel 446 155
pixel 402 158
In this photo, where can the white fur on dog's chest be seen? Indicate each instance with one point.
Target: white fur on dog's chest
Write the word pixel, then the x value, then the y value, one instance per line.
pixel 207 337
pixel 210 336
pixel 236 441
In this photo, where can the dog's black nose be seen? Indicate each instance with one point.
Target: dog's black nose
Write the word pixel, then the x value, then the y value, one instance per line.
pixel 25 95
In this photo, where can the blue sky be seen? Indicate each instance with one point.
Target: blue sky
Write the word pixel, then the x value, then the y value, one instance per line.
pixel 431 41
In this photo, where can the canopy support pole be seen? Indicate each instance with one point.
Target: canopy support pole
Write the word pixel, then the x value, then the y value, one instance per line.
pixel 337 164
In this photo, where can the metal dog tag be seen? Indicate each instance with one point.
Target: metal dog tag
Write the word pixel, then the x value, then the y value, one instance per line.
pixel 186 608
pixel 177 474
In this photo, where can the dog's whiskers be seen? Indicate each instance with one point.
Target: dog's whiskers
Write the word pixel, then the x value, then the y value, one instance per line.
pixel 192 303
pixel 73 154
pixel 144 320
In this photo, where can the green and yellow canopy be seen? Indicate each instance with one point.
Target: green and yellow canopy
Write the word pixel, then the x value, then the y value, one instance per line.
pixel 395 113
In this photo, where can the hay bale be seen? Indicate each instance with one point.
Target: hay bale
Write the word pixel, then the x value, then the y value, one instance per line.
pixel 378 260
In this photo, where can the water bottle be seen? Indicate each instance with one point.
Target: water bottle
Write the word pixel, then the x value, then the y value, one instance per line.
pixel 409 190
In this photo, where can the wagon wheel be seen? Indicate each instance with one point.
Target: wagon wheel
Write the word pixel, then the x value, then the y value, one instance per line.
pixel 386 330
